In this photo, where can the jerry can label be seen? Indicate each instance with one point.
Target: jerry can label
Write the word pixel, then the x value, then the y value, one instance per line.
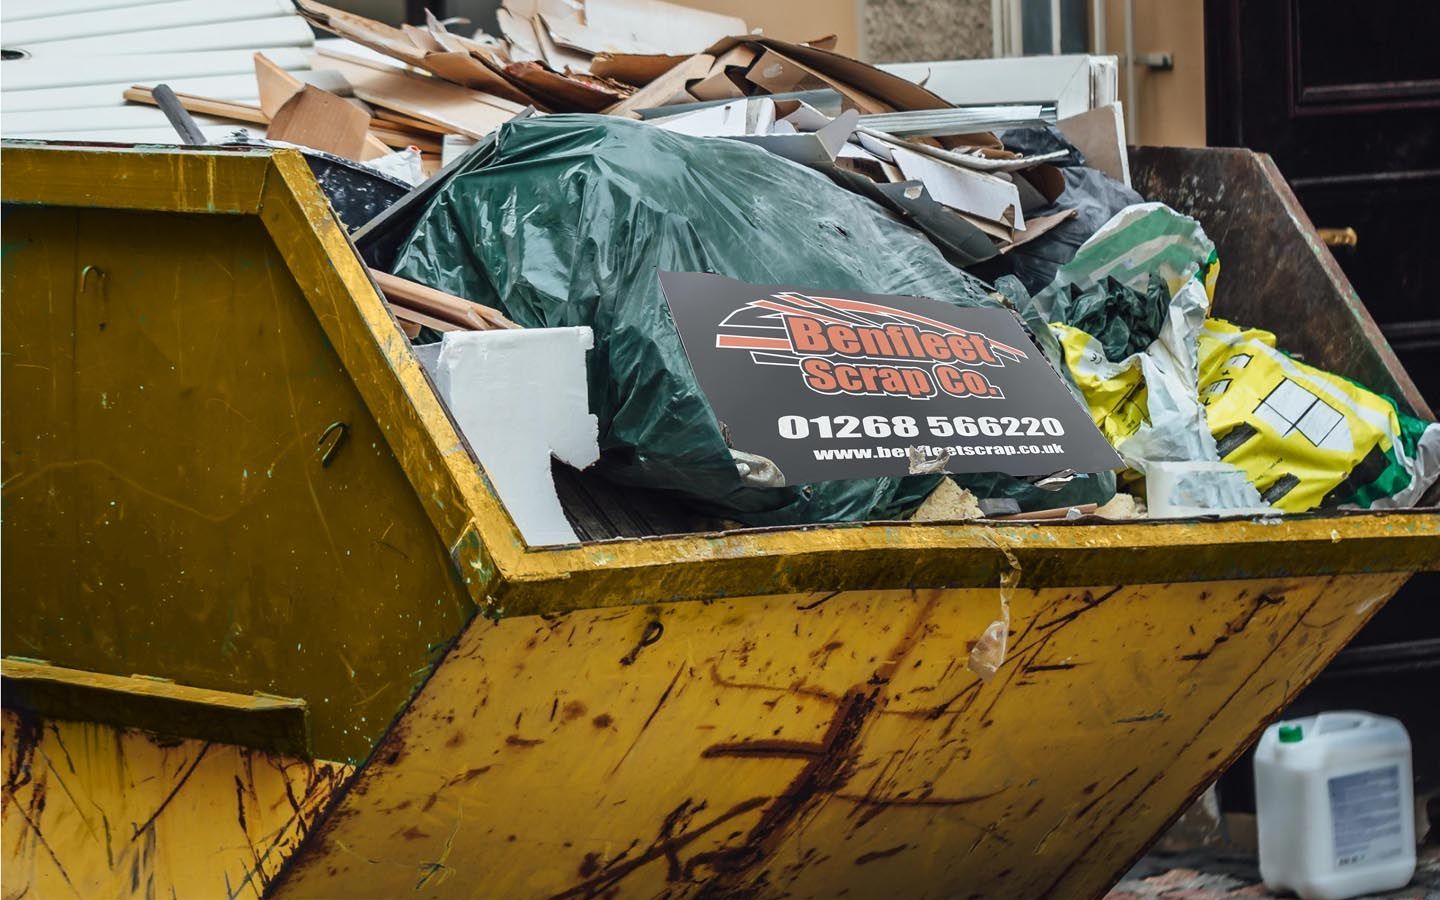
pixel 1366 815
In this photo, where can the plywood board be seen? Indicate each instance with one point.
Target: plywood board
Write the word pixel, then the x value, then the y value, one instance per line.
pixel 320 120
pixel 431 100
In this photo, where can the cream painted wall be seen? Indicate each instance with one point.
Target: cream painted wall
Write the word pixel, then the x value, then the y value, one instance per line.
pixel 1170 104
pixel 796 20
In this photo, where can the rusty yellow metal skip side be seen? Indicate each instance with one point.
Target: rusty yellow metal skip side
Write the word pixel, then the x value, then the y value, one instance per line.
pixel 97 811
pixel 823 745
pixel 183 443
pixel 756 713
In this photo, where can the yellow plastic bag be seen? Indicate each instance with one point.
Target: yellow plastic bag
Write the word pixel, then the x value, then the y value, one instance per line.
pixel 1306 438
pixel 1114 391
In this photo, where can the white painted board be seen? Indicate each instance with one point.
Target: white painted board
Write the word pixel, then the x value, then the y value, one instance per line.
pixel 240 88
pixel 1074 83
pixel 146 17
pixel 148 68
pixel 520 397
pixel 277 31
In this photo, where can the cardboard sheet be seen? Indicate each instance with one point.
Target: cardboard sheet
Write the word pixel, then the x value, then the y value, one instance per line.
pixel 562 91
pixel 1100 135
pixel 558 56
pixel 976 193
pixel 778 73
pixel 637 69
pixel 792 130
pixel 275 85
pixel 721 85
pixel 889 89
pixel 660 91
pixel 414 47
pixel 450 106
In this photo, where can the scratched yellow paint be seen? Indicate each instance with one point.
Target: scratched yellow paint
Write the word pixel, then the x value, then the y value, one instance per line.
pixel 93 811
pixel 802 745
pixel 221 284
pixel 167 509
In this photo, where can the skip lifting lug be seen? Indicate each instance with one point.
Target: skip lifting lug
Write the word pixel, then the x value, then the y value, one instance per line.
pixel 331 440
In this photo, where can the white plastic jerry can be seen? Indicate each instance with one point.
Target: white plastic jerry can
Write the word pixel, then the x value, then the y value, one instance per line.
pixel 1334 803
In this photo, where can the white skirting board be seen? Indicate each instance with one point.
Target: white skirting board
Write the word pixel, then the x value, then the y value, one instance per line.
pixel 21 10
pixel 109 118
pixel 216 131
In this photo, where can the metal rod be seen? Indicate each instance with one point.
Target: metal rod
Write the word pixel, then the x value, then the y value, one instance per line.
pixel 1098 27
pixel 1055 27
pixel 180 120
pixel 965 162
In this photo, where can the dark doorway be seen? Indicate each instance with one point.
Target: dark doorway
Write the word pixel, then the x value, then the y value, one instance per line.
pixel 1346 97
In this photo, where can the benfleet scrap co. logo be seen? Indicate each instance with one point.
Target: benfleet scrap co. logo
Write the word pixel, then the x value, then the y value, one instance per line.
pixel 861 348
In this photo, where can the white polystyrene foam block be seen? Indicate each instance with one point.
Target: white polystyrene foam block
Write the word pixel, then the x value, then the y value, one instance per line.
pixel 520 397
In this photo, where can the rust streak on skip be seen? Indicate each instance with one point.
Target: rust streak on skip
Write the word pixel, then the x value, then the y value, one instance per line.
pixel 791 749
pixel 665 845
pixel 831 763
pixel 864 858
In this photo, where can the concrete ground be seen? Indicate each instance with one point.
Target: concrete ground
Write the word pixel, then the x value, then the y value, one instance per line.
pixel 1212 874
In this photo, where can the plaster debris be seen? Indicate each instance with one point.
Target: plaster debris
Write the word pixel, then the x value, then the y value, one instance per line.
pixel 947 503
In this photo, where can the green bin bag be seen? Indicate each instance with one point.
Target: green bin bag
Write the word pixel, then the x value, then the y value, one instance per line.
pixel 567 219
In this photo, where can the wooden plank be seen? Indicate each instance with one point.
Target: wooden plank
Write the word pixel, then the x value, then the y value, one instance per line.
pixel 205 106
pixel 1041 515
pixel 440 305
pixel 276 85
pixel 399 122
pixel 402 139
pixel 374 147
pixel 418 319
